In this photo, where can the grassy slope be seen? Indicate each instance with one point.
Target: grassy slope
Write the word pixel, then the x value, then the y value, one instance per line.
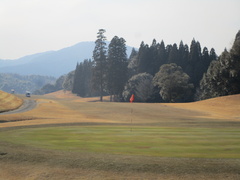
pixel 9 102
pixel 225 107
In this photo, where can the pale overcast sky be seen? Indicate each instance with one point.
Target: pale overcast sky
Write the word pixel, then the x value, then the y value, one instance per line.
pixel 33 26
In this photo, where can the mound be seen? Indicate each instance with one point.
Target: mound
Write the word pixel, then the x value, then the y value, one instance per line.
pixel 69 95
pixel 62 94
pixel 225 107
pixel 9 102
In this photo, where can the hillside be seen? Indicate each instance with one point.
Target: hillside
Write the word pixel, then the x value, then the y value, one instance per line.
pixel 225 107
pixel 9 101
pixel 51 63
pixel 23 83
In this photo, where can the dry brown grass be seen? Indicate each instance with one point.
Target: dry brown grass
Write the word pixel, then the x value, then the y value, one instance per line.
pixel 68 108
pixel 68 95
pixel 9 102
pixel 226 107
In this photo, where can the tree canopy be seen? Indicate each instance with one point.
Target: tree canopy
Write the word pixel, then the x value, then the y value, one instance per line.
pixel 173 83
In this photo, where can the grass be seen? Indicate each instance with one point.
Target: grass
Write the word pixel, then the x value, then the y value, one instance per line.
pixel 9 102
pixel 145 141
pixel 71 138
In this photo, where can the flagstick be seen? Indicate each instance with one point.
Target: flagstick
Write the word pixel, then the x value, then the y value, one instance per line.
pixel 131 101
pixel 131 118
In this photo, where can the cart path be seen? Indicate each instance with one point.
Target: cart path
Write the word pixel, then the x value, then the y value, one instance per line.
pixel 28 105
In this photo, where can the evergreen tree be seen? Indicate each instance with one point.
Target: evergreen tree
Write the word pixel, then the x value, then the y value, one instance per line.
pixel 82 79
pixel 168 50
pixel 116 67
pixel 223 76
pixel 205 59
pixel 142 59
pixel 68 81
pixel 195 65
pixel 76 81
pixel 133 54
pixel 99 59
pixel 174 55
pixel 181 55
pixel 161 57
pixel 212 55
pixel 153 58
pixel 185 57
pixel 132 63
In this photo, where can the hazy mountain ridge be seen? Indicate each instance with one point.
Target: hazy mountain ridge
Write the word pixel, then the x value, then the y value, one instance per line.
pixel 51 63
pixel 22 60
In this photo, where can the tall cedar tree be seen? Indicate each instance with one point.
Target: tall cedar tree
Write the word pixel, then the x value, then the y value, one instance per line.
pixel 132 63
pixel 143 62
pixel 99 66
pixel 82 79
pixel 76 81
pixel 116 67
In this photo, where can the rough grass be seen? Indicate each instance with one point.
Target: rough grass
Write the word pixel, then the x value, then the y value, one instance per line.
pixel 9 102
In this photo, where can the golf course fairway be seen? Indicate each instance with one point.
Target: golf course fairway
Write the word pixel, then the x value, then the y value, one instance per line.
pixel 146 141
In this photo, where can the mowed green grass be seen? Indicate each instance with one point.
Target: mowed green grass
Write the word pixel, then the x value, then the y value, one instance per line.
pixel 127 140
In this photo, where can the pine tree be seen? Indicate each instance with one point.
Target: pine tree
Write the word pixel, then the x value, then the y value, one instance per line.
pixel 205 59
pixel 99 59
pixel 174 55
pixel 76 80
pixel 142 59
pixel 133 53
pixel 132 63
pixel 212 55
pixel 181 54
pixel 153 58
pixel 116 67
pixel 161 57
pixel 195 65
pixel 82 79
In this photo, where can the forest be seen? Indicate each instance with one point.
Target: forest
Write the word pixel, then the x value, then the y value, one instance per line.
pixel 156 72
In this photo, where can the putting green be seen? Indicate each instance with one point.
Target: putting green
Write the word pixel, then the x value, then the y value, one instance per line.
pixel 147 141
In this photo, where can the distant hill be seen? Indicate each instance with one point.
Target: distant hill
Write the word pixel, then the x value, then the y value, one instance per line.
pixel 23 83
pixel 51 63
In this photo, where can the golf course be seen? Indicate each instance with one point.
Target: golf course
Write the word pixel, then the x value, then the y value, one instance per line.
pixel 68 137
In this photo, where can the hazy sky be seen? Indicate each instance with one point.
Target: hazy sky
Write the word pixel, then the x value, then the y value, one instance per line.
pixel 32 26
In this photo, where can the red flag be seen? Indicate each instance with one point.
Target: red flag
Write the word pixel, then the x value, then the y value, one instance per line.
pixel 132 98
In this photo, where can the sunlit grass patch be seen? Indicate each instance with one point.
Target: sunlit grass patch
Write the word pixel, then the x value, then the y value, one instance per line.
pixel 9 101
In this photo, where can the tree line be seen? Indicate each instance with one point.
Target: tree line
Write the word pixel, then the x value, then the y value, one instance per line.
pixel 157 73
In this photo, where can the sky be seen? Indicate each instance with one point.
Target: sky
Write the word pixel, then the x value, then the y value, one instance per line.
pixel 34 26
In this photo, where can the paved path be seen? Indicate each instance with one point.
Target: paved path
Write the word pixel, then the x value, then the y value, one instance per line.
pixel 28 105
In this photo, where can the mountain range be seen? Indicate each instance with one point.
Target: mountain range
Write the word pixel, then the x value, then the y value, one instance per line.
pixel 51 63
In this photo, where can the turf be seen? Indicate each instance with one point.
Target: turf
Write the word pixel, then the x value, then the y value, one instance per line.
pixel 125 140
